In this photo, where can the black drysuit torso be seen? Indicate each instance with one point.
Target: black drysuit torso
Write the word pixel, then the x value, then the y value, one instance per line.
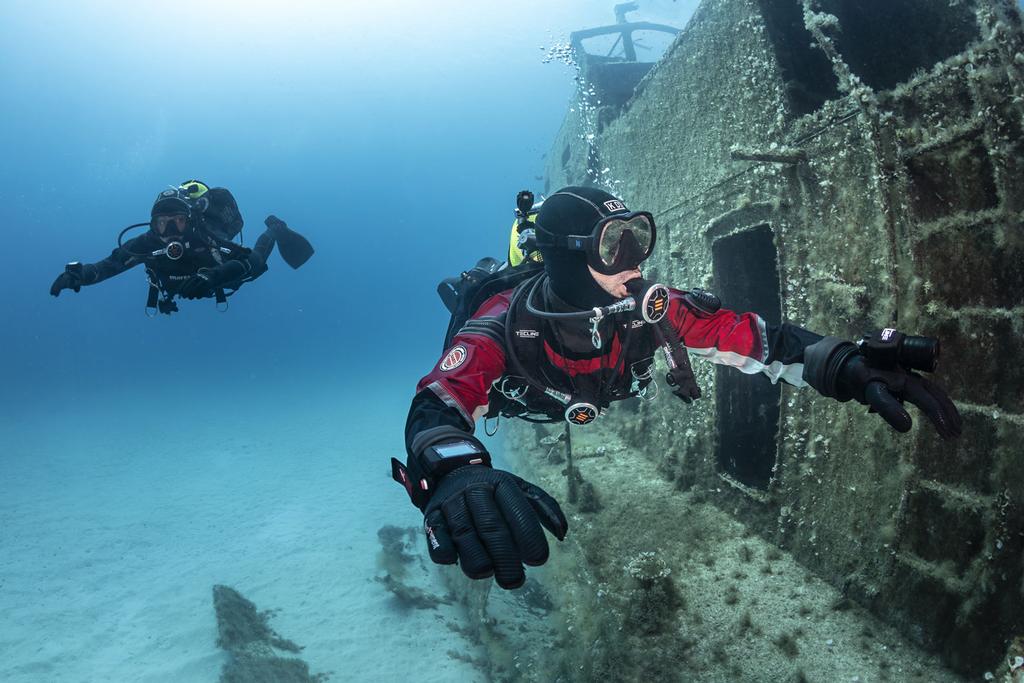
pixel 169 274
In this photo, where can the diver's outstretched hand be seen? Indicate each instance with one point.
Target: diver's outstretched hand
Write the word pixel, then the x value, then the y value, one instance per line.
pixel 489 521
pixel 837 368
pixel 886 389
pixel 66 280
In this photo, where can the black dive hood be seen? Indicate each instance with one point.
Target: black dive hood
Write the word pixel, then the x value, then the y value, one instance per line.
pixel 574 211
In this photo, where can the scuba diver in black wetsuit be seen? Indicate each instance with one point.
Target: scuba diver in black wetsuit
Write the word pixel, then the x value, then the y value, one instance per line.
pixel 562 341
pixel 188 250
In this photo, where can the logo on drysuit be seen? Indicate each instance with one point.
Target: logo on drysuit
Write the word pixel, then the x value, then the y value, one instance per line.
pixel 456 357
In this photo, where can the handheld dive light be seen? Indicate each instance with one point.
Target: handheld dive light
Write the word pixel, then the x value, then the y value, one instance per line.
pixel 889 348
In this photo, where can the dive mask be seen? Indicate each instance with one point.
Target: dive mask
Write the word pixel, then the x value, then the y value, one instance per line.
pixel 164 224
pixel 618 243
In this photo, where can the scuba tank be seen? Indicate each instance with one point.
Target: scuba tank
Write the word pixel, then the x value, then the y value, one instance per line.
pixel 463 294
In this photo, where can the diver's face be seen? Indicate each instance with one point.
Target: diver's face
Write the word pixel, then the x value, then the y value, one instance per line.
pixel 170 226
pixel 615 284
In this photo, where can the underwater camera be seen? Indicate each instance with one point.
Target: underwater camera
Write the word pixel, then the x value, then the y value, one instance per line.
pixel 524 203
pixel 889 348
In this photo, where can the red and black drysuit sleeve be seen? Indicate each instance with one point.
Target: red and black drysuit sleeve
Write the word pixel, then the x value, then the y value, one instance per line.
pixel 455 392
pixel 741 340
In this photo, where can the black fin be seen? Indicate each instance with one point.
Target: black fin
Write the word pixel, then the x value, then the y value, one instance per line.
pixel 293 247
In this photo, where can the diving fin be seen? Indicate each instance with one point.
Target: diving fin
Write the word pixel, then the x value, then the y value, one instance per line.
pixel 293 247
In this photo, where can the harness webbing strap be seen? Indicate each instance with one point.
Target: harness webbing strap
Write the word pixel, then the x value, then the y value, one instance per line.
pixel 153 297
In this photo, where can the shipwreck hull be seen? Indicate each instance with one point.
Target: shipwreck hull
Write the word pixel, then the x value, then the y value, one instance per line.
pixel 839 166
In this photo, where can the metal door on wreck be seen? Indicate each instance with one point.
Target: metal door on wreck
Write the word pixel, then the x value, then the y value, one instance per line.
pixel 746 275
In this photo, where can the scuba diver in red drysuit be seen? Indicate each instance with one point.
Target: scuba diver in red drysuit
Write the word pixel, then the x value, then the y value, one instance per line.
pixel 581 333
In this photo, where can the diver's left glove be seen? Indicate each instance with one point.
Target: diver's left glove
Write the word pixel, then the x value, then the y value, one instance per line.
pixel 489 521
pixel 198 286
pixel 208 280
pixel 843 370
pixel 65 281
pixel 75 275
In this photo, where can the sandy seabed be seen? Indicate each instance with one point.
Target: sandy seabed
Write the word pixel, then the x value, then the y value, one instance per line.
pixel 116 522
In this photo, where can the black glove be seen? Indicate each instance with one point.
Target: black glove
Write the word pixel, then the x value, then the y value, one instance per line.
pixel 66 280
pixel 885 391
pixel 835 368
pixel 208 280
pixel 198 286
pixel 490 522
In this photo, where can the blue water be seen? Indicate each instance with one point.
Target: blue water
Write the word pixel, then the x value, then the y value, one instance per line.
pixel 144 460
pixel 390 137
